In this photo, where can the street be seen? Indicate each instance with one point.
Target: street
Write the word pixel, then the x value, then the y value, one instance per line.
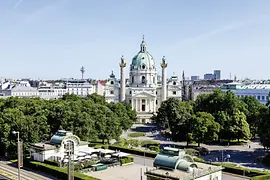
pixel 12 172
pixel 3 178
pixel 244 155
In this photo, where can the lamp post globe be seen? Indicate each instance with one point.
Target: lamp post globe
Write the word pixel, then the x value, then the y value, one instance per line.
pixel 14 132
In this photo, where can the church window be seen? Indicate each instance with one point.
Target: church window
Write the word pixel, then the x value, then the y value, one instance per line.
pixel 174 92
pixel 156 102
pixel 112 92
pixel 129 92
pixel 132 79
pixel 143 100
pixel 129 101
pixel 154 80
pixel 112 82
pixel 174 83
pixel 143 80
pixel 143 66
pixel 156 92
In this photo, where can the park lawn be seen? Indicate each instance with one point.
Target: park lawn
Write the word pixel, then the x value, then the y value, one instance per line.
pixel 136 134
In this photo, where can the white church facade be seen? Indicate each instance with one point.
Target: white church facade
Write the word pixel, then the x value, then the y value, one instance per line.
pixel 143 89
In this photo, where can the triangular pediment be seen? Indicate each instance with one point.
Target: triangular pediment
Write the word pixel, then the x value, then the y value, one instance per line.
pixel 143 94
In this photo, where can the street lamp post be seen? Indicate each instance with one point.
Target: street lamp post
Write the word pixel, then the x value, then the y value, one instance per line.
pixel 19 161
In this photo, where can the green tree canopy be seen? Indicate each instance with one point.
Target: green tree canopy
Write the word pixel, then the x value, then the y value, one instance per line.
pixel 38 119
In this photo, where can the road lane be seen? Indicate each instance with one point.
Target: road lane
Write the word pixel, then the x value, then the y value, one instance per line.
pixel 27 175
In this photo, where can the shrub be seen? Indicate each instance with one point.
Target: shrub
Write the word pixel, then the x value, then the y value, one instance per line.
pixel 199 160
pixel 126 160
pixel 154 148
pixel 121 142
pixel 87 164
pixel 192 152
pixel 149 143
pixel 132 142
pixel 136 134
pixel 266 160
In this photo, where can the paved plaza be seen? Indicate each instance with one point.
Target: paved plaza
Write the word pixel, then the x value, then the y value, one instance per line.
pixel 128 172
pixel 133 171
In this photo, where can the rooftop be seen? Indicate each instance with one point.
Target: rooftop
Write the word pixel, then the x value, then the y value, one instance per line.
pixel 201 170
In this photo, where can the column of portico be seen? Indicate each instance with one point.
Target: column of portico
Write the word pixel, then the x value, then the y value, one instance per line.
pixel 150 105
pixel 153 105
pixel 136 102
pixel 133 104
pixel 147 105
pixel 140 104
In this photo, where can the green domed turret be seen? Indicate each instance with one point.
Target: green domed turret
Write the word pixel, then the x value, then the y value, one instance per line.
pixel 143 60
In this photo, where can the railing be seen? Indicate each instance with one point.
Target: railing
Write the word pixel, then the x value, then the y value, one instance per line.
pixel 201 173
pixel 191 175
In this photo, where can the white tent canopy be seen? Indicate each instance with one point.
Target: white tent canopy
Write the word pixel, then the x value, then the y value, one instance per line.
pixel 107 151
pixel 89 150
pixel 121 154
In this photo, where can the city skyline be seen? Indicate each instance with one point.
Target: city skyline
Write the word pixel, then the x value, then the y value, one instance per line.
pixel 52 39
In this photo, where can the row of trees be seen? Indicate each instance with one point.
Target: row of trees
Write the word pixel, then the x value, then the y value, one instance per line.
pixel 215 116
pixel 37 119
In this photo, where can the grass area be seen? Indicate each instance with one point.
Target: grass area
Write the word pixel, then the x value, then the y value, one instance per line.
pixel 136 134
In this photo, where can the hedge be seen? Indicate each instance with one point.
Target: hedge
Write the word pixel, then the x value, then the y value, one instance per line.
pixel 263 177
pixel 55 171
pixel 133 151
pixel 126 160
pixel 234 169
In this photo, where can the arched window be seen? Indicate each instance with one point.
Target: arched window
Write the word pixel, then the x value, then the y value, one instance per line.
pixel 174 83
pixel 143 80
pixel 112 82
pixel 143 66
pixel 132 79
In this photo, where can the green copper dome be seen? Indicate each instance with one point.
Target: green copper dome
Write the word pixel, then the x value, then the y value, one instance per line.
pixel 143 60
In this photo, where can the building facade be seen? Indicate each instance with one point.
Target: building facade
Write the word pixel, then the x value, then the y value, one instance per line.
pixel 259 91
pixel 209 76
pixel 217 74
pixel 144 90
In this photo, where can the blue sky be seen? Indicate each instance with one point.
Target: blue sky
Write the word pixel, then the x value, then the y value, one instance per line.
pixel 51 39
